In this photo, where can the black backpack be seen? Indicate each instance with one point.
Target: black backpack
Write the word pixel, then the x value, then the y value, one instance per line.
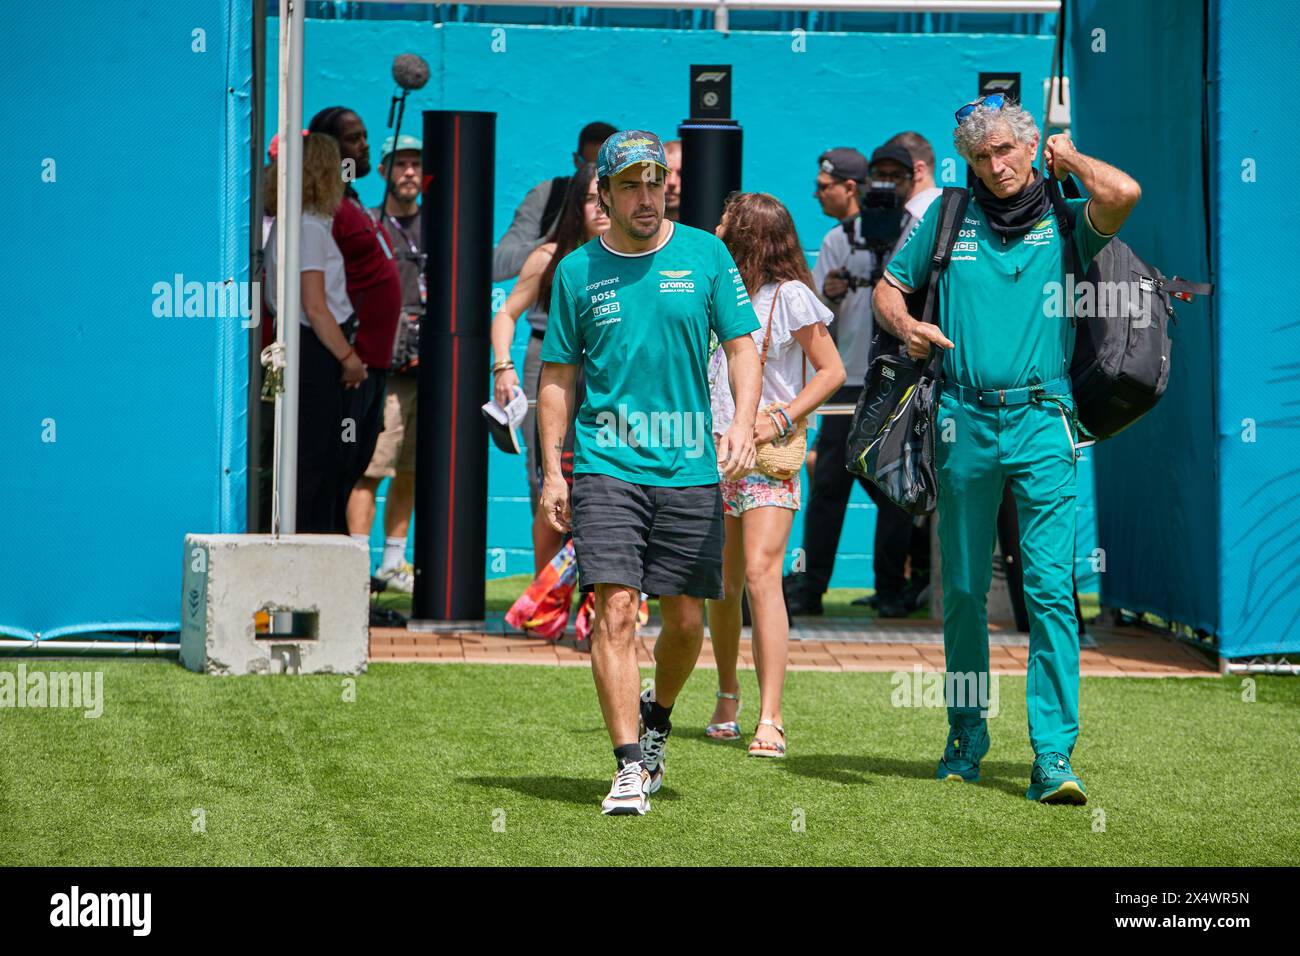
pixel 1121 361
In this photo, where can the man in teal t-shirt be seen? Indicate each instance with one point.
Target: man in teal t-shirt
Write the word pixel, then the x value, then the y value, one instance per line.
pixel 1006 415
pixel 635 308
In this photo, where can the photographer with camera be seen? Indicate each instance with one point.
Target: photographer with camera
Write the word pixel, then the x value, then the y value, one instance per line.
pixel 906 161
pixel 851 260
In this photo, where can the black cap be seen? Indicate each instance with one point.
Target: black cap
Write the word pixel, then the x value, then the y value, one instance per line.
pixel 894 152
pixel 845 162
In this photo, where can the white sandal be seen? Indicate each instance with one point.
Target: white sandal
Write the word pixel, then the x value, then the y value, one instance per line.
pixel 728 729
pixel 768 748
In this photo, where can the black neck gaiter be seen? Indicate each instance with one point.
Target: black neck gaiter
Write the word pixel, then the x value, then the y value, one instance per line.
pixel 1015 215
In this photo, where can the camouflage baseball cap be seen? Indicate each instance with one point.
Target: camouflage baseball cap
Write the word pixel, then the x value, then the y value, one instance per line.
pixel 627 147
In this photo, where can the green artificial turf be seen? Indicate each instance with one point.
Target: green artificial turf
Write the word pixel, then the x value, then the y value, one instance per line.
pixel 429 757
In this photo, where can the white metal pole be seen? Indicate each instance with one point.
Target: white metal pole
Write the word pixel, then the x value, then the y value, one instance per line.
pixel 821 6
pixel 57 644
pixel 288 280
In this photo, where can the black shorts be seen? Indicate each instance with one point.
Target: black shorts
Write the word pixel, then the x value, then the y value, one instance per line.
pixel 663 541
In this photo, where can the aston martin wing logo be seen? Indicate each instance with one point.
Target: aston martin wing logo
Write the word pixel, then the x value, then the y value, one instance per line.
pixel 675 273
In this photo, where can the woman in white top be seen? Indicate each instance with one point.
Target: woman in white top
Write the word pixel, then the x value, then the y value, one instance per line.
pixel 801 370
pixel 579 221
pixel 327 362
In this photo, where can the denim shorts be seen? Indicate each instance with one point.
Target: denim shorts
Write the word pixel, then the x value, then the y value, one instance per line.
pixel 663 541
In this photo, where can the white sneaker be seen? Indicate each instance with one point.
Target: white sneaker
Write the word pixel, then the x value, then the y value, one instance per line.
pixel 629 793
pixel 653 744
pixel 400 578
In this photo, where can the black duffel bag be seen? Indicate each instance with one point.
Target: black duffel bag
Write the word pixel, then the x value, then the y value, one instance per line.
pixel 1120 367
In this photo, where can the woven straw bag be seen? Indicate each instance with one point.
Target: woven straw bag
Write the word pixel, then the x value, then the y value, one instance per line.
pixel 782 458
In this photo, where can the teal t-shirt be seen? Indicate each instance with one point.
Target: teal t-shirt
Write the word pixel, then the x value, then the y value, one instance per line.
pixel 997 303
pixel 639 325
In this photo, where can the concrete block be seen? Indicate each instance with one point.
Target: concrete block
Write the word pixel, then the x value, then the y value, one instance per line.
pixel 232 579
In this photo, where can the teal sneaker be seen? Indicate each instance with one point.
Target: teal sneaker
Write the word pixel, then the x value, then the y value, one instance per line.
pixel 967 745
pixel 1052 781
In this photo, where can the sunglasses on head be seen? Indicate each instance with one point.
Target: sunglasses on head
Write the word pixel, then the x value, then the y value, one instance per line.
pixel 994 101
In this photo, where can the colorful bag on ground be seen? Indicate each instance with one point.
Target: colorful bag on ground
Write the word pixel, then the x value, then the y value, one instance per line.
pixel 543 609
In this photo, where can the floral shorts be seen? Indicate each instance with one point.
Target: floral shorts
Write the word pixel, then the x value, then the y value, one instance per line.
pixel 757 490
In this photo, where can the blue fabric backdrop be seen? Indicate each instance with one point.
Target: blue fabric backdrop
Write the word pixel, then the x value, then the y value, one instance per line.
pixel 1255 52
pixel 1197 503
pixel 121 429
pixel 1139 88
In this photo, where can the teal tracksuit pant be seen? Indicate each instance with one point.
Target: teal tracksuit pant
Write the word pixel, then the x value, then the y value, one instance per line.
pixel 978 448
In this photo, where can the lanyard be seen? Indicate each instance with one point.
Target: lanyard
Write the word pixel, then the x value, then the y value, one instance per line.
pixel 416 255
pixel 410 243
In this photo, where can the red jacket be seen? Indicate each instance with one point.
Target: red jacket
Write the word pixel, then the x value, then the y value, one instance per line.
pixel 374 285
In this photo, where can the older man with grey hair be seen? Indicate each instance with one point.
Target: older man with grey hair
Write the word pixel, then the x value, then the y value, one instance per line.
pixel 1006 414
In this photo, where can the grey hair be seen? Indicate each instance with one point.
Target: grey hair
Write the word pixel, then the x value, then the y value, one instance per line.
pixel 983 123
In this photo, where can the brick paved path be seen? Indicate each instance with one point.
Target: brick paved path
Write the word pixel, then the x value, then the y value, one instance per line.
pixel 847 646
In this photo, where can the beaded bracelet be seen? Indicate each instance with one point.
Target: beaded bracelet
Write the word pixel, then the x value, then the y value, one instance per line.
pixel 780 431
pixel 788 422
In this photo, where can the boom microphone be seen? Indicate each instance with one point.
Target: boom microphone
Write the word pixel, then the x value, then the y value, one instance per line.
pixel 410 71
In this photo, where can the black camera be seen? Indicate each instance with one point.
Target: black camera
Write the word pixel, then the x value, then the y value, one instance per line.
pixel 876 227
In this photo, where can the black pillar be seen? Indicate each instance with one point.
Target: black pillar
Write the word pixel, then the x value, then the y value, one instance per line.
pixel 712 147
pixel 451 442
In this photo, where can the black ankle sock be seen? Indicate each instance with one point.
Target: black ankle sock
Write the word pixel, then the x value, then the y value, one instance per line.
pixel 657 716
pixel 628 753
